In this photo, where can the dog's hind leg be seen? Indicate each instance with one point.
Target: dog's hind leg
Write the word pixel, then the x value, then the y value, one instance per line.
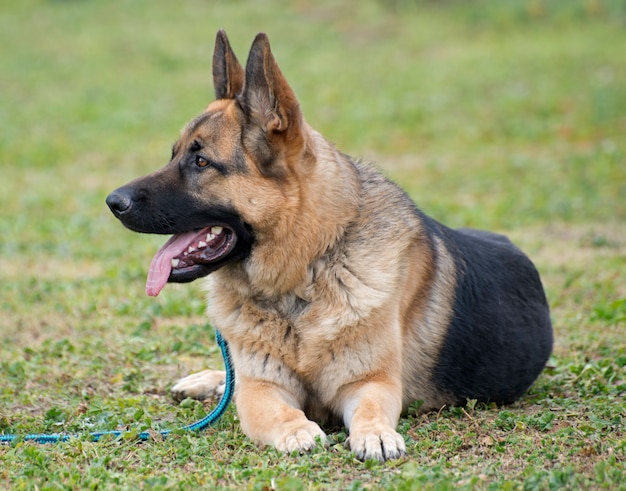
pixel 201 386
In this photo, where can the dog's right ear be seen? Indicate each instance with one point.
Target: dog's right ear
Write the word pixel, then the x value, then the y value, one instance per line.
pixel 273 131
pixel 267 98
pixel 228 74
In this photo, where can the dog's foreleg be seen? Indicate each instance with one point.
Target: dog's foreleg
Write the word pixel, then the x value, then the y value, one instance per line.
pixel 270 415
pixel 371 410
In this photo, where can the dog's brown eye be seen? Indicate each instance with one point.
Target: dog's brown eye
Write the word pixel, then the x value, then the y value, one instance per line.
pixel 201 161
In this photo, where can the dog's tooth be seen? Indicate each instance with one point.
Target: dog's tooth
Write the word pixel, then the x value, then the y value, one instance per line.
pixel 216 230
pixel 175 263
pixel 201 244
pixel 209 237
pixel 191 249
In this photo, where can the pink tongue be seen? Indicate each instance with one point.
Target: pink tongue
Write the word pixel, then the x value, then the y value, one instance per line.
pixel 161 265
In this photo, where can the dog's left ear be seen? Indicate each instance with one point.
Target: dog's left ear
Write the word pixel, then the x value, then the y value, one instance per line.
pixel 227 72
pixel 267 99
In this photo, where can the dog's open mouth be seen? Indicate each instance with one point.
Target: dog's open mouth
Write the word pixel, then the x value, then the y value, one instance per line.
pixel 185 257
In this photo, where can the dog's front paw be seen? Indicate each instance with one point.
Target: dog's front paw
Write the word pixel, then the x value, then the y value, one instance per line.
pixel 377 442
pixel 200 386
pixel 301 437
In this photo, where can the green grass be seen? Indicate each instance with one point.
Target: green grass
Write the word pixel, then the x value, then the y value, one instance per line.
pixel 508 116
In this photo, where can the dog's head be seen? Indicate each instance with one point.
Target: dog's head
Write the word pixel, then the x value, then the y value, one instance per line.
pixel 229 175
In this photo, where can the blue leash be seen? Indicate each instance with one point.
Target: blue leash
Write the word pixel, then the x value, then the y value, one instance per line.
pixel 208 420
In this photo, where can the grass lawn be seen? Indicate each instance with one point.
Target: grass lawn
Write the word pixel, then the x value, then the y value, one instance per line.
pixel 504 115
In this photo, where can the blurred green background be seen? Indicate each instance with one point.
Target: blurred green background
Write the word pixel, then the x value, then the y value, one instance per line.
pixel 491 114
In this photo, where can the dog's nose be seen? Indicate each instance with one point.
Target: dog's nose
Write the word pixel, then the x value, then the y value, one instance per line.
pixel 119 202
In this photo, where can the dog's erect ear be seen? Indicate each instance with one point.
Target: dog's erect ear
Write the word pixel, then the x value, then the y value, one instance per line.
pixel 267 99
pixel 227 72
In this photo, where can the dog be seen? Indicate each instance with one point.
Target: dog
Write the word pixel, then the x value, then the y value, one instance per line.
pixel 341 301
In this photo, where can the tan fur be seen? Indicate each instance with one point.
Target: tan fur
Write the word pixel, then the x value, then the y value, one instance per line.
pixel 341 308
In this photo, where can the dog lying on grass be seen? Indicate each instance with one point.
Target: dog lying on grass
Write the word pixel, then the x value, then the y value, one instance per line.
pixel 340 300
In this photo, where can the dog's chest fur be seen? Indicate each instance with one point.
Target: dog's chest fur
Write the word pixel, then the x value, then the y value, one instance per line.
pixel 341 321
pixel 312 339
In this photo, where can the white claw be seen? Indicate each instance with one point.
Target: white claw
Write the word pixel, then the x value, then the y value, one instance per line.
pixel 202 244
pixel 217 230
pixel 175 263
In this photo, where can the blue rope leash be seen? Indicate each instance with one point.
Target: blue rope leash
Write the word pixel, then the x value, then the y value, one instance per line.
pixel 208 420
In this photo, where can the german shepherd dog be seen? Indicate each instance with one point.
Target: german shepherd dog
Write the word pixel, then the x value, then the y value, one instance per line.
pixel 340 300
